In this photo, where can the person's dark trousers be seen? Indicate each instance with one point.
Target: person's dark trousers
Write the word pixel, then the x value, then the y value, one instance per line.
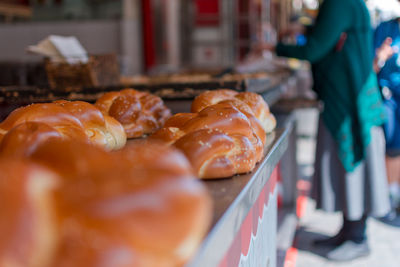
pixel 355 230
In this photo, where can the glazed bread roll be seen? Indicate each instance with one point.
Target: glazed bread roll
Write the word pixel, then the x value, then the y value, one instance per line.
pixel 246 110
pixel 260 109
pixel 53 115
pixel 219 141
pixel 140 206
pixel 25 138
pixel 212 97
pixel 27 218
pixel 75 120
pixel 140 113
pixel 254 101
pixel 101 129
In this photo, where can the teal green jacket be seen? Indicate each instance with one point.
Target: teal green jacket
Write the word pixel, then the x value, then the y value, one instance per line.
pixel 339 47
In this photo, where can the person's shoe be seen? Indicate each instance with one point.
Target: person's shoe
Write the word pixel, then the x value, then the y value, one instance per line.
pixel 333 241
pixel 348 251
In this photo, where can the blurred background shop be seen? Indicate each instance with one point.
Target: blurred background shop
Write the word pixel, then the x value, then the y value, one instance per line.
pixel 148 35
pixel 178 49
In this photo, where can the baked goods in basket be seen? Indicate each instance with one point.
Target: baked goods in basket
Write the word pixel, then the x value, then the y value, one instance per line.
pixel 219 141
pixel 140 206
pixel 73 120
pixel 254 101
pixel 140 113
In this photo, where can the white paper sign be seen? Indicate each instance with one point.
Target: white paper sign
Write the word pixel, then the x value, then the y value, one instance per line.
pixel 61 49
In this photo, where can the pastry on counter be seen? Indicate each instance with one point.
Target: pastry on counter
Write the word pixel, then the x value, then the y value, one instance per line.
pixel 219 141
pixel 139 206
pixel 140 113
pixel 53 115
pixel 101 129
pixel 255 101
pixel 76 120
pixel 28 223
pixel 26 137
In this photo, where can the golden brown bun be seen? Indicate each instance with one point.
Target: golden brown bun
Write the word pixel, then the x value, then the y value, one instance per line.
pixel 53 115
pixel 179 119
pixel 77 120
pixel 260 109
pixel 140 206
pixel 217 155
pixel 114 133
pixel 23 139
pixel 254 101
pixel 101 129
pixel 213 97
pixel 140 113
pixel 27 219
pixel 172 129
pixel 219 141
pixel 246 110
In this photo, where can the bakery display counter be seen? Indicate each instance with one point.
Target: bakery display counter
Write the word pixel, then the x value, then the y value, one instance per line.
pixel 245 214
pixel 244 227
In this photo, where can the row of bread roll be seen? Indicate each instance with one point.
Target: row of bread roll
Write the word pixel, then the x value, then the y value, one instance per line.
pixel 76 120
pixel 140 113
pixel 225 135
pixel 108 123
pixel 66 203
pixel 255 102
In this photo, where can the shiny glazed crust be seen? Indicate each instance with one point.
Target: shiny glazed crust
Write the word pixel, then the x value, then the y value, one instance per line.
pixel 254 101
pixel 76 120
pixel 219 141
pixel 140 113
pixel 27 218
pixel 139 206
pixel 115 207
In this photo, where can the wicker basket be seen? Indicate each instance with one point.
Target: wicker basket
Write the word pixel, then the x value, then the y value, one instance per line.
pixel 101 70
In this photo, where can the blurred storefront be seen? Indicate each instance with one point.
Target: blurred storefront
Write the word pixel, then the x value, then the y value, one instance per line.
pixel 177 50
pixel 147 34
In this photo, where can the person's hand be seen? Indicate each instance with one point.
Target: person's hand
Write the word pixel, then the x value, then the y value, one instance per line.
pixel 383 53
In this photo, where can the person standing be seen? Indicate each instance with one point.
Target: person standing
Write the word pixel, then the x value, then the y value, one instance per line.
pixel 387 65
pixel 350 174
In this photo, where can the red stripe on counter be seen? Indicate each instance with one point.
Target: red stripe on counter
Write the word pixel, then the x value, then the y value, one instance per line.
pixel 241 243
pixel 303 188
pixel 301 206
pixel 291 257
pixel 245 233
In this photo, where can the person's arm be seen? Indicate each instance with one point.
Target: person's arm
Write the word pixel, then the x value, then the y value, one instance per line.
pixel 382 54
pixel 333 19
pixel 382 46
